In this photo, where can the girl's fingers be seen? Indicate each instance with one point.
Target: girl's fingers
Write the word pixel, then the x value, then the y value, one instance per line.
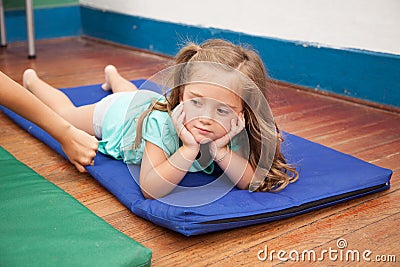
pixel 181 118
pixel 235 127
pixel 179 123
pixel 223 141
pixel 242 119
pixel 176 112
pixel 178 117
pixel 79 167
pixel 179 108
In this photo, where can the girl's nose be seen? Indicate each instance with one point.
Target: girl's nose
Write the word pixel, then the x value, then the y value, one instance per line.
pixel 205 119
pixel 206 115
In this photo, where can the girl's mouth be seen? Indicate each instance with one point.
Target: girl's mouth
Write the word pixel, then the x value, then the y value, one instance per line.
pixel 202 130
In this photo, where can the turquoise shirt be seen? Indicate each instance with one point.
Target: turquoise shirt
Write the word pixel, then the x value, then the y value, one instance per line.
pixel 119 130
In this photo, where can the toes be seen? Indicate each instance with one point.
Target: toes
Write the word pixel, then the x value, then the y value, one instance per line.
pixel 27 76
pixel 108 70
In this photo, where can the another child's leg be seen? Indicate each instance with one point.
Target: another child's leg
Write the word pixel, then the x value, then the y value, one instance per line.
pixel 115 82
pixel 80 117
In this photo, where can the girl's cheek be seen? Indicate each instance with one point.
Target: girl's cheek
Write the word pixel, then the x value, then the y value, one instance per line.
pixel 188 115
pixel 186 110
pixel 227 120
pixel 185 107
pixel 224 126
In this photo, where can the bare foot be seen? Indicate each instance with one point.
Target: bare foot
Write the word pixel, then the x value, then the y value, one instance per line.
pixel 28 75
pixel 108 71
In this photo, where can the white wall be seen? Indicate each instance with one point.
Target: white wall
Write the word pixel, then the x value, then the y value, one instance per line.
pixel 362 24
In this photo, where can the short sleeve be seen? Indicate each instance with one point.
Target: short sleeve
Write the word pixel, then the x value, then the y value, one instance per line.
pixel 235 143
pixel 159 130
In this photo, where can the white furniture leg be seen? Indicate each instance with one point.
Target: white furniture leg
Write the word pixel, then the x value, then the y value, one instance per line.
pixel 3 38
pixel 30 28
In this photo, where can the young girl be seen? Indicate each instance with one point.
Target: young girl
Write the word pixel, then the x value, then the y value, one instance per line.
pixel 215 104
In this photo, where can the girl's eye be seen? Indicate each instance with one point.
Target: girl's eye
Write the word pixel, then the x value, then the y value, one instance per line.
pixel 223 111
pixel 196 102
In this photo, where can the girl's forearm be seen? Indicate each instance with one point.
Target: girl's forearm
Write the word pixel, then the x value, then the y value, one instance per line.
pixel 162 179
pixel 236 168
pixel 79 146
pixel 21 101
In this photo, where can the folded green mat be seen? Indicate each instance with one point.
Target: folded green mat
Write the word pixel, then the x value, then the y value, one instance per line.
pixel 41 225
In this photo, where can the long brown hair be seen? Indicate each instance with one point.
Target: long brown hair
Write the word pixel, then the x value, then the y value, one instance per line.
pixel 275 175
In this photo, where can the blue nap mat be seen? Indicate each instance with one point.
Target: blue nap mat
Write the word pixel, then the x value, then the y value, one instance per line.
pixel 327 177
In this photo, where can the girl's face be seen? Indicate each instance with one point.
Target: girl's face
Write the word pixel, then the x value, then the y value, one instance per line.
pixel 209 110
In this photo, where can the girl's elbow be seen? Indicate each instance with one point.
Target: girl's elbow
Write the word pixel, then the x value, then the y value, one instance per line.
pixel 145 191
pixel 147 196
pixel 150 192
pixel 243 186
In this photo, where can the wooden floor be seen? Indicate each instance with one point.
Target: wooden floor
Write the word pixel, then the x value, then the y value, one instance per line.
pixel 370 134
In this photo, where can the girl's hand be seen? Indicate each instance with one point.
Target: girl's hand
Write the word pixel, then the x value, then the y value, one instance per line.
pixel 178 118
pixel 80 148
pixel 237 126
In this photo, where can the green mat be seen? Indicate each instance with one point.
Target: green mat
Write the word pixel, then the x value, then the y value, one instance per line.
pixel 41 225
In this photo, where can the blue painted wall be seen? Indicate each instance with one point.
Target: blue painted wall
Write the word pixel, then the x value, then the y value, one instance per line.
pixel 355 73
pixel 50 22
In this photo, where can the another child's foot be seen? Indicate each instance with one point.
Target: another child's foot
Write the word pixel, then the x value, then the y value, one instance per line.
pixel 108 71
pixel 28 75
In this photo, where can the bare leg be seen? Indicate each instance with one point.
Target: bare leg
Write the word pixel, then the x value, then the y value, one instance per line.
pixel 115 82
pixel 80 117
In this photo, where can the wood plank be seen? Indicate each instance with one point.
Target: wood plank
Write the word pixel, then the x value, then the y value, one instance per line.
pixel 391 162
pixel 323 231
pixel 377 238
